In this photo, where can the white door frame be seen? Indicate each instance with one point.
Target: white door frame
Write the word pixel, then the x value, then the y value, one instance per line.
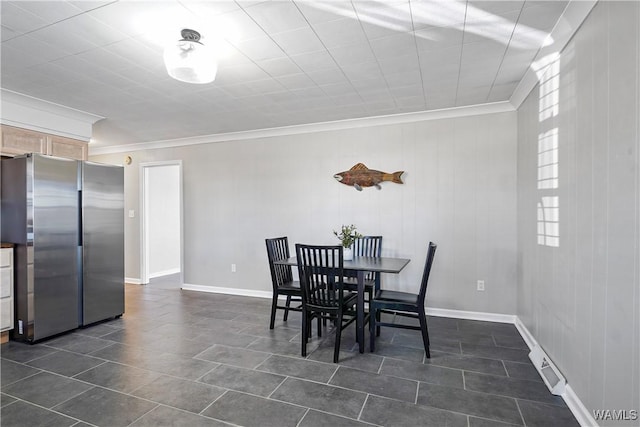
pixel 144 227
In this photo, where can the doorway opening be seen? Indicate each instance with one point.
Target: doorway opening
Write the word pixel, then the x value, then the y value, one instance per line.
pixel 161 259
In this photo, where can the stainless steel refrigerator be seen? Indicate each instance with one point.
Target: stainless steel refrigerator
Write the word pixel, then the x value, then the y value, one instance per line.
pixel 102 241
pixel 66 219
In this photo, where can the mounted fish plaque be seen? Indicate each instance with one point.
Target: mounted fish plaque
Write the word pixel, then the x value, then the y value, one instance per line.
pixel 361 176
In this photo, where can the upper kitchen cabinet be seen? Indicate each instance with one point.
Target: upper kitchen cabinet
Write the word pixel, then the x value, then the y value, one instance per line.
pixel 20 141
pixel 60 146
pixel 16 141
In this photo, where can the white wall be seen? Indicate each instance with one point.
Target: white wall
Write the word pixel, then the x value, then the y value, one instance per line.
pixel 581 300
pixel 459 191
pixel 163 212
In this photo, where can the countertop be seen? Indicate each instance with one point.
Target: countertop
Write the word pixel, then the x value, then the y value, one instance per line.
pixel 6 245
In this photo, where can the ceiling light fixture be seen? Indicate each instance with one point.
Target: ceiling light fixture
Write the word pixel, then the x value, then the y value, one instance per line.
pixel 189 60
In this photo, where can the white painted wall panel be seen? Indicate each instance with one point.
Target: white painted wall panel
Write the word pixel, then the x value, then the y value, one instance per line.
pixel 238 193
pixel 584 221
pixel 580 300
pixel 622 198
pixel 600 172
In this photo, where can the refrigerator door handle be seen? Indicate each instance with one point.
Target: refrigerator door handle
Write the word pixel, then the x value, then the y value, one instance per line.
pixel 80 233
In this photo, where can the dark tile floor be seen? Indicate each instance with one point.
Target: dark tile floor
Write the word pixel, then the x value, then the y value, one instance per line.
pixel 184 358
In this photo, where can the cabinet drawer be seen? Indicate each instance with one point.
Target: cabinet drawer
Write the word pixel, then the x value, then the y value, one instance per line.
pixel 6 282
pixel 6 257
pixel 6 313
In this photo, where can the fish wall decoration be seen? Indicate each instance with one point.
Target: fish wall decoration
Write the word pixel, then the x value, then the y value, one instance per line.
pixel 361 176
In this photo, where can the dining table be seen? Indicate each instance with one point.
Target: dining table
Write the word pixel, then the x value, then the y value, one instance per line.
pixel 360 265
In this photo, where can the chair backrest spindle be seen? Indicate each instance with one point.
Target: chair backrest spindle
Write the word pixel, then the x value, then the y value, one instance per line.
pixel 370 246
pixel 278 249
pixel 320 269
pixel 427 270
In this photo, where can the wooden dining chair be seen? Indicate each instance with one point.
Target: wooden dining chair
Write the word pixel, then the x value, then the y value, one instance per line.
pixel 282 279
pixel 320 269
pixel 402 304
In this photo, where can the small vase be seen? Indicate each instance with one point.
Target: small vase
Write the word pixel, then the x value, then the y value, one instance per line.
pixel 347 254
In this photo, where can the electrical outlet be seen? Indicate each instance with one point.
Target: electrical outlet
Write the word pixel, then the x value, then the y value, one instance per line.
pixel 481 285
pixel 233 268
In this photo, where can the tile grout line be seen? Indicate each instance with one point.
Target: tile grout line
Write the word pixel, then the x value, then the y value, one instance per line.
pixel 333 375
pixel 330 413
pixel 214 401
pixel 524 423
pixel 17 399
pixel 93 386
pixel 302 417
pixel 505 368
pixel 277 387
pixel 104 362
pixel 363 405
pixel 152 409
pixel 385 362
pixel 28 376
pixel 198 380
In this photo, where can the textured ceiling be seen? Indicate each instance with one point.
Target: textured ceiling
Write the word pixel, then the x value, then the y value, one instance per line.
pixel 281 63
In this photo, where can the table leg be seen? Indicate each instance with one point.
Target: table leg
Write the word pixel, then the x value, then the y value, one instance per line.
pixel 360 311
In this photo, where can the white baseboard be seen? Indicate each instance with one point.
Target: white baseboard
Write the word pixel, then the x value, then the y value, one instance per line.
pixel 582 414
pixel 575 405
pixel 471 315
pixel 132 281
pixel 228 291
pixel 164 273
pixel 525 334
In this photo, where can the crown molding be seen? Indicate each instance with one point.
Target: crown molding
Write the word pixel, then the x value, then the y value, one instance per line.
pixel 569 23
pixel 27 112
pixel 474 110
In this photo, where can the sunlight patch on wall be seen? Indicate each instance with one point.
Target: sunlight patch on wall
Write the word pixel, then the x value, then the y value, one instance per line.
pixel 548 214
pixel 548 159
pixel 550 90
pixel 549 221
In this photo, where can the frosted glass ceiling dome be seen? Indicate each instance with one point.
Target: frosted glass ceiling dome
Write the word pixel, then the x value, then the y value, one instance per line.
pixel 189 60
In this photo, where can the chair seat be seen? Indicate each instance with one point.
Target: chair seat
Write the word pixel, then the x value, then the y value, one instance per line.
pixel 321 272
pixel 352 283
pixel 396 297
pixel 293 286
pixel 282 279
pixel 403 304
pixel 348 300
